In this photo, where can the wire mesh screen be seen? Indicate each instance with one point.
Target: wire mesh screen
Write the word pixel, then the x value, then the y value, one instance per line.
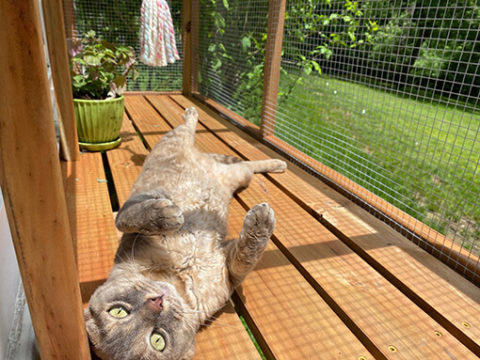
pixel 383 92
pixel 119 22
pixel 232 36
pixel 386 93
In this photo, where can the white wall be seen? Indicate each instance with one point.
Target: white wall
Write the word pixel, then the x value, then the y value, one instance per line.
pixel 17 340
pixel 9 280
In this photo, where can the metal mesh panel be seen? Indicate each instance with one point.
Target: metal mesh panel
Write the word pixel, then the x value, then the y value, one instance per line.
pixel 397 114
pixel 395 108
pixel 232 37
pixel 119 22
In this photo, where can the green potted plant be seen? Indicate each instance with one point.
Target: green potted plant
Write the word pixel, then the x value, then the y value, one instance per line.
pixel 99 72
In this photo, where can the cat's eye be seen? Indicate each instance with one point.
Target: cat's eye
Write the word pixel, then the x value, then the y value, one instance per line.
pixel 118 312
pixel 157 341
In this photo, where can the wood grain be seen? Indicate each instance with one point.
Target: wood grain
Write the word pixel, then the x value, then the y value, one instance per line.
pixel 126 160
pixel 294 320
pixel 32 187
pixel 59 63
pixel 91 220
pixel 273 57
pixel 187 46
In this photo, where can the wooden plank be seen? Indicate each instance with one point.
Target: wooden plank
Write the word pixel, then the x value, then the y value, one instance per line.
pixel 384 248
pixel 146 118
pixel 126 160
pixel 194 43
pixel 91 220
pixel 273 57
pixel 69 19
pixel 59 63
pixel 187 46
pixel 32 187
pixel 151 92
pixel 434 242
pixel 225 337
pixel 239 144
pixel 278 313
pixel 294 320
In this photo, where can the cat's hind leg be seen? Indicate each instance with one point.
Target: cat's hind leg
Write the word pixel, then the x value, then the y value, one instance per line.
pixel 149 213
pixel 224 159
pixel 266 166
pixel 187 131
pixel 256 231
pixel 237 175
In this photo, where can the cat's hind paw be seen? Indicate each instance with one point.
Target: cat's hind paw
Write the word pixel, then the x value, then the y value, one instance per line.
pixel 191 117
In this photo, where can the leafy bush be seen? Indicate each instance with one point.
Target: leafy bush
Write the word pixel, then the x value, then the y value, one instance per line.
pixel 99 69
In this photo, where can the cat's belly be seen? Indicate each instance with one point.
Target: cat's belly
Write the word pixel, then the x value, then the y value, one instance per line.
pixel 189 183
pixel 195 263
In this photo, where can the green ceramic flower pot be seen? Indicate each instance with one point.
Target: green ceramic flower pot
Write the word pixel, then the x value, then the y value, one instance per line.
pixel 98 123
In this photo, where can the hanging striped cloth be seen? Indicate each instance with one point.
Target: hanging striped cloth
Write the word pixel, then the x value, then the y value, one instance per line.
pixel 157 36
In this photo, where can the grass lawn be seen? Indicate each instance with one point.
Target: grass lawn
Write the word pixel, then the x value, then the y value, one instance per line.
pixel 420 155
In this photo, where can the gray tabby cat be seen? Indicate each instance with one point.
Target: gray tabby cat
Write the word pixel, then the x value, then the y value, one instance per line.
pixel 174 269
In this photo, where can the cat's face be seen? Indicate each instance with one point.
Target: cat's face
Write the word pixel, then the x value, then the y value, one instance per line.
pixel 137 318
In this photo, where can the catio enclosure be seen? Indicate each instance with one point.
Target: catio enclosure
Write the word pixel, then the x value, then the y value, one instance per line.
pixel 375 104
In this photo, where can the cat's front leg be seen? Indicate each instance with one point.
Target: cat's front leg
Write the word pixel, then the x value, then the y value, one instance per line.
pixel 149 213
pixel 257 228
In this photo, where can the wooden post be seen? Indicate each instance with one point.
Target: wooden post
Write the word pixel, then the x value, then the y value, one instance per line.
pixel 187 46
pixel 273 57
pixel 194 38
pixel 69 20
pixel 59 63
pixel 32 187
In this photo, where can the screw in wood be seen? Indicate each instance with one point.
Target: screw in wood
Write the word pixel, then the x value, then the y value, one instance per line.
pixel 392 348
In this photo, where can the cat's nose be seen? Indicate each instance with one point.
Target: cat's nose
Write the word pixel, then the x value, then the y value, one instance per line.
pixel 156 303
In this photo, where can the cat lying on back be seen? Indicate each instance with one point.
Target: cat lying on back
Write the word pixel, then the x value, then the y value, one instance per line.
pixel 174 269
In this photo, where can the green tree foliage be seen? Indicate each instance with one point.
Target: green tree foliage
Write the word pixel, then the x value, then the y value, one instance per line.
pixel 432 47
pixel 234 33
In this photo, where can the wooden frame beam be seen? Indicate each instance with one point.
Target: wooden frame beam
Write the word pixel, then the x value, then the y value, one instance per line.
pixel 273 57
pixel 59 62
pixel 187 47
pixel 32 187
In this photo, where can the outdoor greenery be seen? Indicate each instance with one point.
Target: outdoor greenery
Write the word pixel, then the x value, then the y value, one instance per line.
pixel 392 145
pixel 398 135
pixel 99 69
pixel 119 22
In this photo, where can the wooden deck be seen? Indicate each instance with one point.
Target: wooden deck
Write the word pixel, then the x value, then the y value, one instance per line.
pixel 334 282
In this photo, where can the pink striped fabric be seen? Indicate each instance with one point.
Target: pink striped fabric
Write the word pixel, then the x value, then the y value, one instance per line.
pixel 157 35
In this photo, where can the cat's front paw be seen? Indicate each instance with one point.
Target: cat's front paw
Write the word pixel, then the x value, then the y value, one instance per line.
pixel 260 221
pixel 163 215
